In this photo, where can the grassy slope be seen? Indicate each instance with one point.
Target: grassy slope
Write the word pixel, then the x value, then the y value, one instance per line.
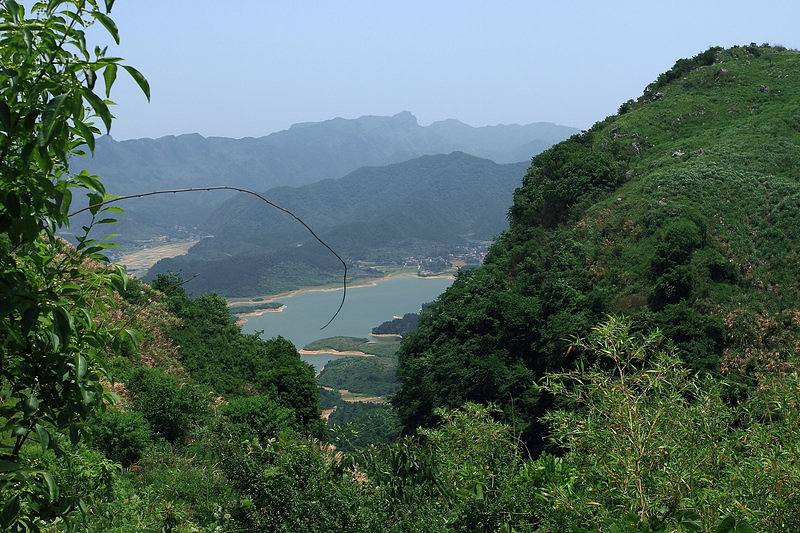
pixel 737 124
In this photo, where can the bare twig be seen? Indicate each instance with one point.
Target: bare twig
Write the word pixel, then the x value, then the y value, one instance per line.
pixel 238 189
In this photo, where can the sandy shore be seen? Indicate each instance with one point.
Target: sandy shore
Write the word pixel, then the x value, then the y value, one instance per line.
pixel 366 283
pixel 335 352
pixel 241 318
pixel 267 298
pixel 140 261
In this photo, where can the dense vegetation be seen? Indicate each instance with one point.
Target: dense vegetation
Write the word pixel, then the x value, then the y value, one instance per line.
pixel 367 376
pixel 214 352
pixel 254 307
pixel 680 212
pixel 398 326
pixel 693 427
pixel 54 325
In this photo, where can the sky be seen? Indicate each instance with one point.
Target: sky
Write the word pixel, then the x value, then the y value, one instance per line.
pixel 247 68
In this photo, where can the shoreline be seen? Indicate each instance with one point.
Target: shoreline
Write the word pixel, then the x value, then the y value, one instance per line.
pixel 269 298
pixel 335 352
pixel 241 318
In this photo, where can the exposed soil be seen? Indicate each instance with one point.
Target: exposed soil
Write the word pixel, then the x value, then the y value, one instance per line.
pixel 138 262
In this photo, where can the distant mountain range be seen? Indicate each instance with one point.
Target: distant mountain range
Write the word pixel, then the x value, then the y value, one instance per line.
pixel 428 206
pixel 303 154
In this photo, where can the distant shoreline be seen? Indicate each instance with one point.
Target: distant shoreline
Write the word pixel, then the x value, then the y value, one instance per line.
pixel 241 318
pixel 268 298
pixel 335 352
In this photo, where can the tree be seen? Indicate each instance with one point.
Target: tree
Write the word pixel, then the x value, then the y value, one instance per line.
pixel 54 326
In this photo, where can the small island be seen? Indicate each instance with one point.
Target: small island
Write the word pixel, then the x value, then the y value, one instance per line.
pixel 350 346
pixel 254 308
pixel 398 326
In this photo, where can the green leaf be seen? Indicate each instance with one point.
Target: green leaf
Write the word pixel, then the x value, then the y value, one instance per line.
pixel 86 134
pixel 52 486
pixel 690 520
pixel 108 24
pixel 30 406
pixel 63 323
pixel 90 182
pixel 50 119
pixel 9 466
pixel 44 437
pixel 726 526
pixel 81 366
pixel 13 9
pixel 53 4
pixel 100 108
pixel 87 396
pixel 5 116
pixel 29 318
pixel 109 76
pixel 139 79
pixel 730 525
pixel 91 78
pixel 133 335
pixel 10 511
pixel 96 202
pixel 27 36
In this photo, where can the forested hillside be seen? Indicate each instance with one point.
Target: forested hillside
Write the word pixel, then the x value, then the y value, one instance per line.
pixel 431 206
pixel 680 212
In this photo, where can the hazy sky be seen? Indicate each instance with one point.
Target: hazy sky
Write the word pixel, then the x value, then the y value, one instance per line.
pixel 240 68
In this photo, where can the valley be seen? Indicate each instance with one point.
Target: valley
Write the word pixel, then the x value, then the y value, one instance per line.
pixel 542 329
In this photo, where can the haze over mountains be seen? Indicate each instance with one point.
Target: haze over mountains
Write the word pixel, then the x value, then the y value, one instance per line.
pixel 303 154
pixel 431 206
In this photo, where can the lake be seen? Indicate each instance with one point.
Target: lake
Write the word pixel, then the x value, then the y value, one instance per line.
pixel 365 307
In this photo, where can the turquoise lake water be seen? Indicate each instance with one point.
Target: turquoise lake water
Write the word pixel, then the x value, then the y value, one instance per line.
pixel 364 308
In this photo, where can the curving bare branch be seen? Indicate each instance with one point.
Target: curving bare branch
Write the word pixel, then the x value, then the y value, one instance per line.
pixel 246 191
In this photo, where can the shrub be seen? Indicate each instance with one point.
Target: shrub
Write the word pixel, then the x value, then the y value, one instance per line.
pixel 169 404
pixel 122 435
pixel 258 417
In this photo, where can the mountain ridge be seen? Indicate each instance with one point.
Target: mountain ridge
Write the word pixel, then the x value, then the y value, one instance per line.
pixel 426 206
pixel 300 155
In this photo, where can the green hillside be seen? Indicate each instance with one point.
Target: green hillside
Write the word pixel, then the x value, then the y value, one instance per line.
pixel 426 207
pixel 682 211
